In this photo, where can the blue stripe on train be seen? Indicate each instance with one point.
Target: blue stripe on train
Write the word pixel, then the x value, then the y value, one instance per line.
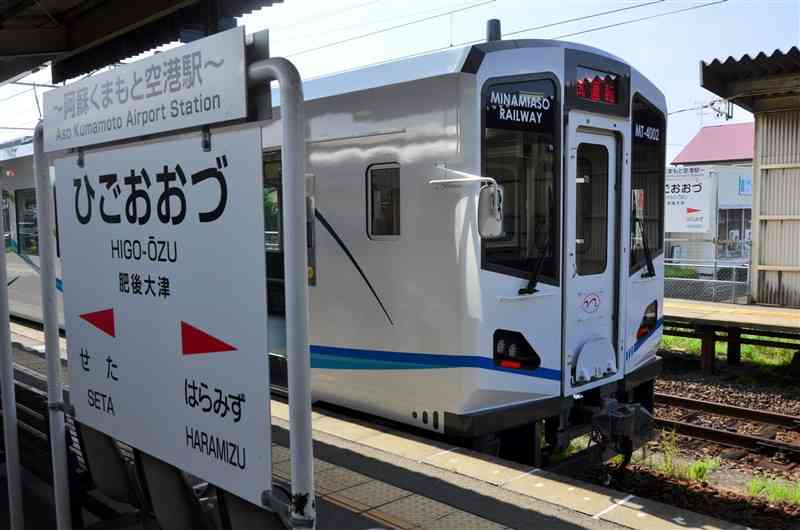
pixel 336 358
pixel 635 347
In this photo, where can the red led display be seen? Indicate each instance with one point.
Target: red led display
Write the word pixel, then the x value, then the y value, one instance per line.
pixel 596 86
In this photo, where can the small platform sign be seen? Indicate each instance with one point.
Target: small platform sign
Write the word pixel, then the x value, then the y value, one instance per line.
pixel 162 247
pixel 196 84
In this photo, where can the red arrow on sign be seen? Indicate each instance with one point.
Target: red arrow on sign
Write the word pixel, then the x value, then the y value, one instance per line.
pixel 692 210
pixel 194 341
pixel 102 320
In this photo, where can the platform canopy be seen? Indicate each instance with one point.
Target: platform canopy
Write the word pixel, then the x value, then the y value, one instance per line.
pixel 80 36
pixel 760 83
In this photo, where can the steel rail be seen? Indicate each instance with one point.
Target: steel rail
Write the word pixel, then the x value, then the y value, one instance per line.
pixel 760 416
pixel 730 439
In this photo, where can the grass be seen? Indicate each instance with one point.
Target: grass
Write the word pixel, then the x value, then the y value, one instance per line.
pixel 668 461
pixel 673 271
pixel 576 445
pixel 700 469
pixel 774 490
pixel 762 355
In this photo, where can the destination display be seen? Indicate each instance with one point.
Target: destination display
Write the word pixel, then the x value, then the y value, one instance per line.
pixel 168 332
pixel 596 86
pixel 523 106
pixel 196 84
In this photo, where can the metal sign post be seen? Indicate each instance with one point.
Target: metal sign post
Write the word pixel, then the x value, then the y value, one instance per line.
pixel 293 157
pixel 9 402
pixel 55 392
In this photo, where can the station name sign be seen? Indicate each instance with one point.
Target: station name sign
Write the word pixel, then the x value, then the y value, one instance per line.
pixel 167 333
pixel 196 84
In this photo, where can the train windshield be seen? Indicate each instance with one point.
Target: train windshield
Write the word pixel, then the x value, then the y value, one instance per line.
pixel 520 151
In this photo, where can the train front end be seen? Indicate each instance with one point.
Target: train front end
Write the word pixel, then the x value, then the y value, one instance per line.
pixel 571 141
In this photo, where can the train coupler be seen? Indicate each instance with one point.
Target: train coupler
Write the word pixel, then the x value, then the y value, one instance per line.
pixel 622 427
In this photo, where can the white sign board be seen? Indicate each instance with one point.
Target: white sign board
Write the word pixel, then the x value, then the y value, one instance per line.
pixel 196 84
pixel 162 248
pixel 688 193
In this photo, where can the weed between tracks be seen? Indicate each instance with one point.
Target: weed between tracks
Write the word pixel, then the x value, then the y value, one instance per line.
pixel 667 461
pixel 774 490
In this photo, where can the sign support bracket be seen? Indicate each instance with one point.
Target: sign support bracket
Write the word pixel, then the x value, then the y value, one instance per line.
pixel 293 160
pixel 55 393
pixel 9 404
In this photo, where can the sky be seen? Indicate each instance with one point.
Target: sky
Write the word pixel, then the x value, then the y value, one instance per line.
pixel 666 49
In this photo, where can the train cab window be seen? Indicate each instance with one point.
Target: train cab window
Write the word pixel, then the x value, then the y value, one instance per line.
pixel 648 164
pixel 520 151
pixel 383 201
pixel 591 210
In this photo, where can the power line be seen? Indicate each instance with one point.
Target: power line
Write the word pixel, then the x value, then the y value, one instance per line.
pixel 475 41
pixel 325 14
pixel 425 19
pixel 398 26
pixel 641 19
pixel 16 94
pixel 23 83
pixel 585 17
pixel 296 36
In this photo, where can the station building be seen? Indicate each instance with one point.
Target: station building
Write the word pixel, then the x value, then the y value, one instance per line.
pixel 709 197
pixel 769 87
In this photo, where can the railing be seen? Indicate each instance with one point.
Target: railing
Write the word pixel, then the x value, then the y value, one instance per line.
pixel 707 281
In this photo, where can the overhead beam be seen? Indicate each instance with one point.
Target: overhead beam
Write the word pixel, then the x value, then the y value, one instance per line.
pixel 32 42
pixel 116 17
pixel 764 86
pixel 14 9
pixel 777 103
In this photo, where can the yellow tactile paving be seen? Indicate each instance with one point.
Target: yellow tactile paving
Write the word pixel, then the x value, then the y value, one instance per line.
pixel 588 500
pixel 643 513
pixel 346 430
pixel 403 446
pixel 477 467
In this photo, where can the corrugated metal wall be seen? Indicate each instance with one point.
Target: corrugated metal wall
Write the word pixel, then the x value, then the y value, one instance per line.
pixel 776 209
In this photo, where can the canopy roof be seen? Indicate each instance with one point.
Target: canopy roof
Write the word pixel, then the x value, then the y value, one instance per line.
pixel 80 36
pixel 760 83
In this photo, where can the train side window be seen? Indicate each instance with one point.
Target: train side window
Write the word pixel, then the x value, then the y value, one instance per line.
pixel 272 201
pixel 383 201
pixel 648 164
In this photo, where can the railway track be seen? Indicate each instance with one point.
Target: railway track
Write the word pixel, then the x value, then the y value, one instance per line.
pixel 729 438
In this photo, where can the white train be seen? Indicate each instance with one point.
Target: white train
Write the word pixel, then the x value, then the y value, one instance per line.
pixel 433 307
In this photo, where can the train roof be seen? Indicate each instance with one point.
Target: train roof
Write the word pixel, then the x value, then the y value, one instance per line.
pixel 451 60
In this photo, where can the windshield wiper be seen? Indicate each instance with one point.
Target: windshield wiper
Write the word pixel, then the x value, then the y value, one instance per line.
pixel 651 270
pixel 536 270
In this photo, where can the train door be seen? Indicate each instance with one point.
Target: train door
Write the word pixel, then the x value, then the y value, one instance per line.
pixel 590 302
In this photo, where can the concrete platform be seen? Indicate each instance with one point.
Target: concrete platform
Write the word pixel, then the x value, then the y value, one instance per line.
pixel 370 476
pixel 729 315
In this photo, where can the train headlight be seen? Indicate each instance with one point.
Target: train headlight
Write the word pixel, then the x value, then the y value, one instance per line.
pixel 512 350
